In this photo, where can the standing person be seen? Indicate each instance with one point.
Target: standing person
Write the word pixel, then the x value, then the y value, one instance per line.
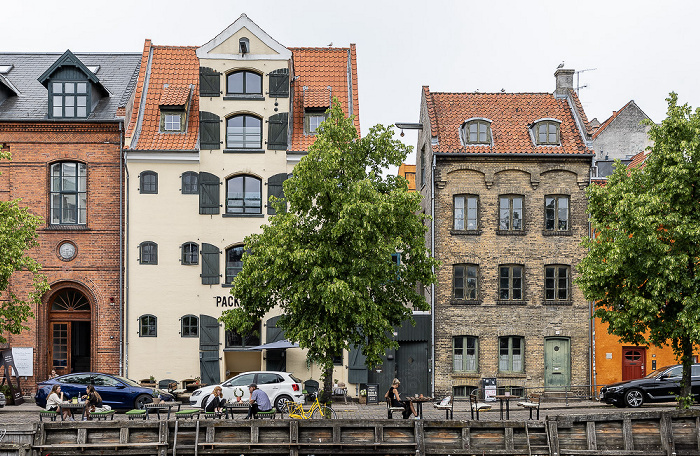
pixel 396 401
pixel 215 401
pixel 92 400
pixel 259 401
pixel 53 402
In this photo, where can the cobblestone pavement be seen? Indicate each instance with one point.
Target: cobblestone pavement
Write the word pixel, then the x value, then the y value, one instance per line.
pixel 28 412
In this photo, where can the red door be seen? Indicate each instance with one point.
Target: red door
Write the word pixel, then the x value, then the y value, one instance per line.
pixel 633 359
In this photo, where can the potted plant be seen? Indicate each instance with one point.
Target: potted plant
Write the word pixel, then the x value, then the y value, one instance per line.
pixel 238 393
pixel 156 397
pixel 363 396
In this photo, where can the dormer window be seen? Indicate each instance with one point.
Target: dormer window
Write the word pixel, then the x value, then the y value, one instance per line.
pixel 313 119
pixel 244 83
pixel 476 131
pixel 546 132
pixel 174 103
pixel 69 99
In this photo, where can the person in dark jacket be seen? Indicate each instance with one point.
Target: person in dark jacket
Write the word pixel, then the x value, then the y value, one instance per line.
pixel 396 401
pixel 92 400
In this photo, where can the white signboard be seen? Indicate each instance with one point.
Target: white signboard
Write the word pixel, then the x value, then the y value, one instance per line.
pixel 24 360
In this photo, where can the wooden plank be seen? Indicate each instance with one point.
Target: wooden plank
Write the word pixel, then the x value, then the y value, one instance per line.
pixel 419 437
pixel 466 438
pixel 82 435
pixel 254 433
pixel 590 435
pixel 508 438
pixel 627 433
pixel 209 435
pixel 666 434
pixel 124 435
pixel 553 438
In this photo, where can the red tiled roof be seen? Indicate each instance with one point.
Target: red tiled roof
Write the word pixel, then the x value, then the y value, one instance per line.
pixel 638 160
pixel 175 96
pixel 511 115
pixel 178 68
pixel 317 97
pixel 317 69
pixel 605 124
pixel 581 112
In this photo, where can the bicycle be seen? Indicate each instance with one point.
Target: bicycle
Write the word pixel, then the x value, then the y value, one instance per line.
pixel 317 411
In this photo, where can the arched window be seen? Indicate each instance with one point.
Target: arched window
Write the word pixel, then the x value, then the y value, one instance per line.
pixel 234 262
pixel 148 182
pixel 68 193
pixel 189 326
pixel 190 253
pixel 147 326
pixel 148 253
pixel 244 132
pixel 244 195
pixel 476 131
pixel 546 133
pixel 244 83
pixel 190 181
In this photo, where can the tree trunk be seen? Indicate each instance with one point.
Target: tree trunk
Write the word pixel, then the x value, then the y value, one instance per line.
pixel 327 385
pixel 686 399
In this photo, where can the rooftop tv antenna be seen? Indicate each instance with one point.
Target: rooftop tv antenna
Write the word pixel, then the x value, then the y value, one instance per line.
pixel 578 86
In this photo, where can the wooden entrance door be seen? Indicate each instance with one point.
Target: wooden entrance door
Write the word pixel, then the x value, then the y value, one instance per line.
pixel 633 359
pixel 557 363
pixel 69 332
pixel 59 356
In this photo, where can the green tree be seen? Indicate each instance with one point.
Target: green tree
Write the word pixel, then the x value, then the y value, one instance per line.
pixel 326 260
pixel 642 265
pixel 17 235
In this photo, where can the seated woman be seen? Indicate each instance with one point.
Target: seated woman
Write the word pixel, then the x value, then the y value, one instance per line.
pixel 396 401
pixel 92 400
pixel 53 402
pixel 215 401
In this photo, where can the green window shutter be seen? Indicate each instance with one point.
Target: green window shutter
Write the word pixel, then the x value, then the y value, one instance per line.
pixel 209 193
pixel 209 82
pixel 210 264
pixel 274 333
pixel 357 371
pixel 277 131
pixel 279 83
pixel 275 188
pixel 209 131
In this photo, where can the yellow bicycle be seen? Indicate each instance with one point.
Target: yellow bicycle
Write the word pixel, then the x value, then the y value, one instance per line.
pixel 317 410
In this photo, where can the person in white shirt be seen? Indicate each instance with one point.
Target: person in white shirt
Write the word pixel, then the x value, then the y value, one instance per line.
pixel 53 402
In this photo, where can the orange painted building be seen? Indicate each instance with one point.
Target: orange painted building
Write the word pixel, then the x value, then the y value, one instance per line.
pixel 409 172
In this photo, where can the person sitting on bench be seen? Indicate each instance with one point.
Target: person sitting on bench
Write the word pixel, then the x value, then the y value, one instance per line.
pixel 259 401
pixel 396 401
pixel 53 403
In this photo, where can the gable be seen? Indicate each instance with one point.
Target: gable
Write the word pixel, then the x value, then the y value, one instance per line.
pixel 225 44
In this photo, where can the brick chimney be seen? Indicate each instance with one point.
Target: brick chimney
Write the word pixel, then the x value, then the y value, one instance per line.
pixel 565 81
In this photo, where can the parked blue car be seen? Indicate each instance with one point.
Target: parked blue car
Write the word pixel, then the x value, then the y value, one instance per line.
pixel 117 392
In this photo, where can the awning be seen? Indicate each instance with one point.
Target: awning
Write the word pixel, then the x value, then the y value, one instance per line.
pixel 275 345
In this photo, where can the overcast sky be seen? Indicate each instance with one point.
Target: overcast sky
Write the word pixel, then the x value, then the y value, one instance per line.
pixel 637 50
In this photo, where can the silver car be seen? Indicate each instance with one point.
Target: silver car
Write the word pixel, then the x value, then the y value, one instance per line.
pixel 279 387
pixel 3 401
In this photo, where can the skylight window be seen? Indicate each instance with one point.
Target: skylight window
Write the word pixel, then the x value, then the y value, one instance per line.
pixel 4 69
pixel 93 68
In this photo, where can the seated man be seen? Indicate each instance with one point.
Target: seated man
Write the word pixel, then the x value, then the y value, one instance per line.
pixel 259 401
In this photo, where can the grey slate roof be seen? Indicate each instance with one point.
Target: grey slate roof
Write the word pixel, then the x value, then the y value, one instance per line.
pixel 117 73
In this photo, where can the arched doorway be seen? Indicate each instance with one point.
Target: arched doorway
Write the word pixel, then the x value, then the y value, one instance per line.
pixel 69 331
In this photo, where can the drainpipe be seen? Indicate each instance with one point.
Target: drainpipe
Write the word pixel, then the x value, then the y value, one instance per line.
pixel 591 331
pixel 121 249
pixel 432 286
pixel 125 341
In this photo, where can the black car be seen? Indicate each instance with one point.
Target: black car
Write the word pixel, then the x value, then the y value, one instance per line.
pixel 117 392
pixel 662 385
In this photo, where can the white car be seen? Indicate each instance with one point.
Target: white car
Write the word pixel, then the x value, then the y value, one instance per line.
pixel 279 387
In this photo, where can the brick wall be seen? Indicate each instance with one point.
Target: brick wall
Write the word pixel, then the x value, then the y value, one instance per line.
pixel 94 271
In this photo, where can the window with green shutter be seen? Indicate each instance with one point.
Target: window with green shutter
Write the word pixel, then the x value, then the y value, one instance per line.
pixel 209 82
pixel 209 193
pixel 209 131
pixel 277 127
pixel 275 188
pixel 279 83
pixel 210 264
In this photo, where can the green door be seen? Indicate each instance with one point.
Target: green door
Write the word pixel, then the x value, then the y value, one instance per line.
pixel 557 363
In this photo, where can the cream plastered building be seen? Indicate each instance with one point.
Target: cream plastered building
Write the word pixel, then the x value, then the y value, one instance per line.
pixel 214 132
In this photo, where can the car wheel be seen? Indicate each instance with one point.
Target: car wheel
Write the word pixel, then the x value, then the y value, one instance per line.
pixel 281 403
pixel 634 398
pixel 142 400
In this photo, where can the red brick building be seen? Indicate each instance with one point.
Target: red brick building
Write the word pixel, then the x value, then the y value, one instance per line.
pixel 61 118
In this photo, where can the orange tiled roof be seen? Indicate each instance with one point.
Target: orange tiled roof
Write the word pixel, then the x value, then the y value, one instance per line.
pixel 511 115
pixel 175 96
pixel 638 160
pixel 174 70
pixel 315 97
pixel 317 69
pixel 605 124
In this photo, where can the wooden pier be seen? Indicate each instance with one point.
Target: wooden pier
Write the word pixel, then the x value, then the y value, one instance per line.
pixel 648 433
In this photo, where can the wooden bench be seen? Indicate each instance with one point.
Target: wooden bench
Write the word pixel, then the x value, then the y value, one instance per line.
pixel 342 391
pixel 475 406
pixel 136 413
pixel 447 405
pixel 187 414
pixel 390 410
pixel 212 415
pixel 532 403
pixel 51 414
pixel 103 415
pixel 272 414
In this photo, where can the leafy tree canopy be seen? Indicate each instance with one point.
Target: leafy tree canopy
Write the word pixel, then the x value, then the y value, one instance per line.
pixel 642 268
pixel 326 260
pixel 17 235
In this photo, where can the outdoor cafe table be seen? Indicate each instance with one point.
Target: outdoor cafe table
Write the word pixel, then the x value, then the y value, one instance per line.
pixel 69 405
pixel 506 398
pixel 233 407
pixel 419 403
pixel 161 406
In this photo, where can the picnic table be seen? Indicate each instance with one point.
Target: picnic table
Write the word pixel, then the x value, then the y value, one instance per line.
pixel 506 398
pixel 235 407
pixel 419 401
pixel 162 406
pixel 69 405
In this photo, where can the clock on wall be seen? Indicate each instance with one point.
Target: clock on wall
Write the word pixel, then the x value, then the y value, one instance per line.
pixel 66 251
